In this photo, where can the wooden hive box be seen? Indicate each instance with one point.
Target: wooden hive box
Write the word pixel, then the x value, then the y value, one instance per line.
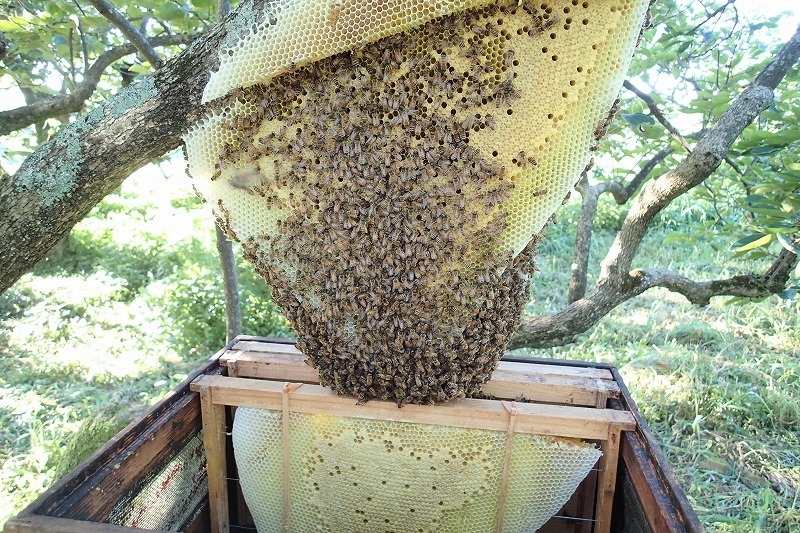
pixel 173 469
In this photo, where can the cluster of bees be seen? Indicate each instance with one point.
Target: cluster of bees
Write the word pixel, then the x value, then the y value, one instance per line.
pixel 387 256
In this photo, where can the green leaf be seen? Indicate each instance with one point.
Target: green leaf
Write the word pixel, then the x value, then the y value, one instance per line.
pixel 139 69
pixel 751 241
pixel 638 120
pixel 788 294
pixel 764 150
pixel 786 243
pixel 777 213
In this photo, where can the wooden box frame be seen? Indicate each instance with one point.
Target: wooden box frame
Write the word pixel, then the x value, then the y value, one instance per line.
pixel 80 501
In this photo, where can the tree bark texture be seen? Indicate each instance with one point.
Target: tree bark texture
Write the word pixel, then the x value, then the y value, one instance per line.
pixel 230 280
pixel 60 183
pixel 590 195
pixel 617 283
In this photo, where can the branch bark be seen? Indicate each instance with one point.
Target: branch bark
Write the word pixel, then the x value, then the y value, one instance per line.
pixel 617 283
pixel 49 107
pixel 590 195
pixel 230 280
pixel 128 30
pixel 59 183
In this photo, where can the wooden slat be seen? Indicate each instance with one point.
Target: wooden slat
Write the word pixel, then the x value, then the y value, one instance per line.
pixel 93 501
pixel 539 368
pixel 556 420
pixel 214 433
pixel 509 381
pixel 656 503
pixel 607 481
pixel 556 370
pixel 37 523
pixel 589 488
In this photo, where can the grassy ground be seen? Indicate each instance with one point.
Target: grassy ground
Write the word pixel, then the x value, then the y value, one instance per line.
pixel 133 304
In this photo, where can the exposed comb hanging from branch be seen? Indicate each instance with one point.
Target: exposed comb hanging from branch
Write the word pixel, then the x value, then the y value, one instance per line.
pixel 393 194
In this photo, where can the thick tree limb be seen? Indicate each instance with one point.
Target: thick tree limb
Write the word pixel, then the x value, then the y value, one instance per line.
pixel 617 283
pixel 590 195
pixel 564 326
pixel 59 183
pixel 49 107
pixel 128 30
pixel 746 286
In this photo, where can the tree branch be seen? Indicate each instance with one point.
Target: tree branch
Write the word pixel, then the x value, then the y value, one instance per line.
pixel 64 178
pixel 632 186
pixel 230 280
pixel 128 30
pixel 659 116
pixel 48 107
pixel 564 326
pixel 590 195
pixel 692 171
pixel 617 284
pixel 746 286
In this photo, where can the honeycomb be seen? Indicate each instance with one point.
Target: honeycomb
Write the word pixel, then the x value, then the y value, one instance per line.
pixel 349 474
pixel 390 170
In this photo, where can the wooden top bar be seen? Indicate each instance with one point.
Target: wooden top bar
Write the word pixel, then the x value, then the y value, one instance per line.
pixel 554 420
pixel 554 369
pixel 511 380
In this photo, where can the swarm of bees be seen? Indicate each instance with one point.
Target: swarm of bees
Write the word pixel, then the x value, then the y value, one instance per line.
pixel 388 254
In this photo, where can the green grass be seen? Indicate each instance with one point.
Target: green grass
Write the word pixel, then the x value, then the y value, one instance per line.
pixel 134 304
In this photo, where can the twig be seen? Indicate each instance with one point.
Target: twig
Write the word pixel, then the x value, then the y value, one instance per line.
pixel 47 107
pixel 719 10
pixel 659 116
pixel 128 30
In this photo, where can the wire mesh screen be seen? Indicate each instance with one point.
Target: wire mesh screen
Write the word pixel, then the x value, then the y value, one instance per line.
pixel 170 496
pixel 629 517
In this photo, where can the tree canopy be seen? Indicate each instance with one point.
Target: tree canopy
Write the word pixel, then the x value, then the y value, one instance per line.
pixel 709 112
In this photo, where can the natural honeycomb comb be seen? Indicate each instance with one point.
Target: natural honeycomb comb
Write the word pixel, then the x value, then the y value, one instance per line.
pixel 350 474
pixel 388 168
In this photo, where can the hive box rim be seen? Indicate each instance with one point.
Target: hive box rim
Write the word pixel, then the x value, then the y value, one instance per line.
pixel 657 485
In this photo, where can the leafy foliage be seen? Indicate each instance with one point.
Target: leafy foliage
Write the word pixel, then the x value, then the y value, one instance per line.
pixel 694 63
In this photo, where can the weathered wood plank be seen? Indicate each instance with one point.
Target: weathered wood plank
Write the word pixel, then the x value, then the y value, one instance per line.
pixel 554 369
pixel 556 420
pixel 607 481
pixel 214 433
pixel 26 523
pixel 509 381
pixel 147 451
pixel 656 503
pixel 78 483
